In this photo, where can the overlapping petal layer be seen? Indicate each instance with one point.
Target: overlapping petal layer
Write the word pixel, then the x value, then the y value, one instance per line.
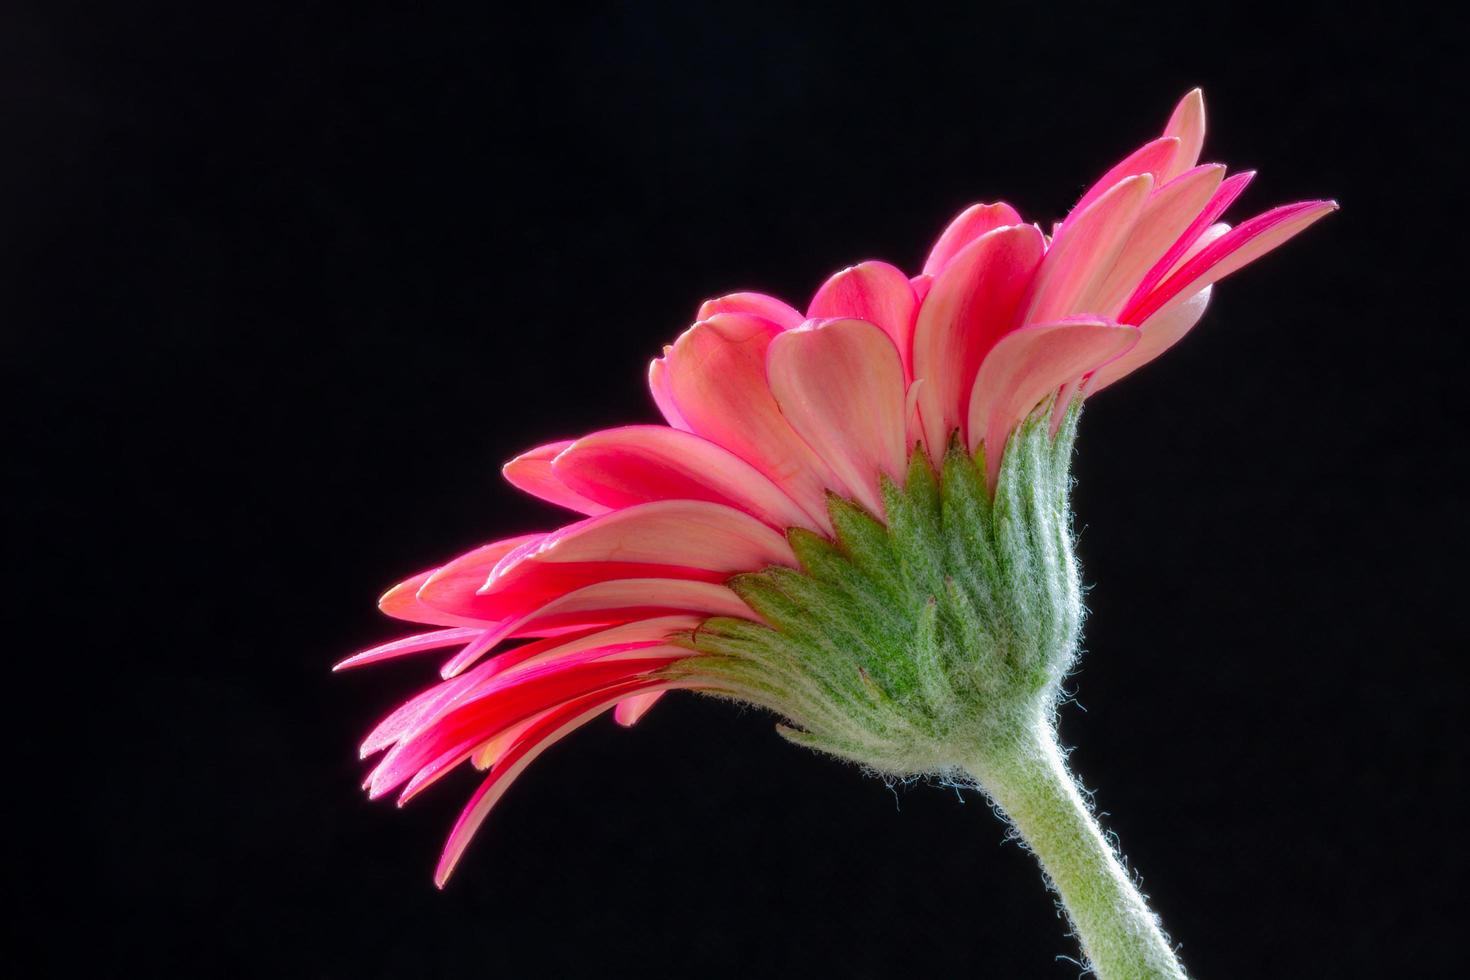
pixel 769 412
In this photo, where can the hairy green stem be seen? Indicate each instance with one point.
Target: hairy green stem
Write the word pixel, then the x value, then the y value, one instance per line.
pixel 1029 781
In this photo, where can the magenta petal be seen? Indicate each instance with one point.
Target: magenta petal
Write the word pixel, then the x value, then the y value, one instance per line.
pixel 974 302
pixel 1166 215
pixel 756 304
pixel 970 224
pixel 640 463
pixel 840 385
pixel 1027 367
pixel 475 719
pixel 1223 197
pixel 531 472
pixel 419 642
pixel 539 737
pixel 876 292
pixel 1237 248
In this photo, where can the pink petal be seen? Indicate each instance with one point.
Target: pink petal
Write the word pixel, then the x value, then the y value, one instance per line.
pixel 414 713
pixel 1165 216
pixel 556 726
pixel 665 539
pixel 494 750
pixel 970 224
pixel 1152 159
pixel 1155 335
pixel 639 463
pixel 625 636
pixel 1187 124
pixel 402 602
pixel 1084 250
pixel 876 292
pixel 922 284
pixel 1029 365
pixel 840 385
pixel 531 472
pixel 630 711
pixel 613 602
pixel 417 643
pixel 755 304
pixel 717 374
pixel 974 302
pixel 1223 197
pixel 1235 249
pixel 627 599
pixel 475 721
pixel 688 533
pixel 658 385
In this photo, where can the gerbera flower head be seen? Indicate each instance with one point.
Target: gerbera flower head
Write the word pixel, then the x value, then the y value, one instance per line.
pixel 855 516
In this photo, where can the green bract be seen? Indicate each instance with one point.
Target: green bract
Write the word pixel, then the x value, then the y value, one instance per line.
pixel 911 646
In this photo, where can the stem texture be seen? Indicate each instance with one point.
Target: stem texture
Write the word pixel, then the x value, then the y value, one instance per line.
pixel 1120 936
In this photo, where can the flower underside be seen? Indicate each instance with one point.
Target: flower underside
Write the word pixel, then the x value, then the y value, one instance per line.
pixel 905 646
pixel 854 515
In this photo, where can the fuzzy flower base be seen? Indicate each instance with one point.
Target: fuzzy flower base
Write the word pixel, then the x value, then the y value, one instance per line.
pixel 912 647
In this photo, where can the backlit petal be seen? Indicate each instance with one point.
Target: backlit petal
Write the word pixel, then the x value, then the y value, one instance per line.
pixel 840 384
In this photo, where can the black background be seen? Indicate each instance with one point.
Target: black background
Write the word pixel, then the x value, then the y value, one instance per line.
pixel 285 285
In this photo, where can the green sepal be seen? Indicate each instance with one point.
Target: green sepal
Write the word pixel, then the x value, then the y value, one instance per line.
pixel 905 643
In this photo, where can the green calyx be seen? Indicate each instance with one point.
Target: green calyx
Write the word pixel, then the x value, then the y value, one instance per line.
pixel 906 646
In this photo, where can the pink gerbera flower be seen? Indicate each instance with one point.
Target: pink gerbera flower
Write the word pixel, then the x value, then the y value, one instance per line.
pixel 855 516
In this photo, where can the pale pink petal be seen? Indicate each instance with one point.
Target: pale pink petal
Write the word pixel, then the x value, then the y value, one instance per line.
pixel 1029 365
pixel 639 463
pixel 1223 197
pixel 1155 335
pixel 974 302
pixel 876 292
pixel 1084 251
pixel 1165 217
pixel 971 223
pixel 531 472
pixel 554 727
pixel 840 385
pixel 1187 124
pixel 658 385
pixel 629 712
pixel 717 374
pixel 756 304
pixel 1235 249
pixel 922 284
pixel 913 422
